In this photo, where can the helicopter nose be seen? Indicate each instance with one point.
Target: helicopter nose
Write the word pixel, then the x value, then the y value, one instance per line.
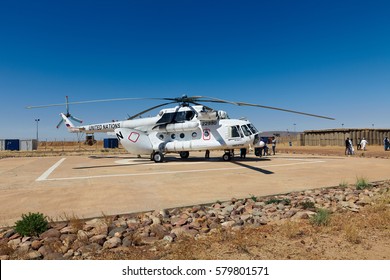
pixel 258 143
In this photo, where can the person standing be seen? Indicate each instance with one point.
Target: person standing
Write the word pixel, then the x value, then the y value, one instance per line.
pixel 363 144
pixel 265 150
pixel 351 149
pixel 243 153
pixel 273 145
pixel 386 143
pixel 347 146
pixel 358 146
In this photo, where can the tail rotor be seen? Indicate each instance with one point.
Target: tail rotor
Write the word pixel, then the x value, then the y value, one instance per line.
pixel 68 115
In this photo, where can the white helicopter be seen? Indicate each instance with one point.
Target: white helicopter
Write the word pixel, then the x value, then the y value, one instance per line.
pixel 190 126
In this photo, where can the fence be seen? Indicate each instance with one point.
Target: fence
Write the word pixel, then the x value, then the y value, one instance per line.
pixel 337 137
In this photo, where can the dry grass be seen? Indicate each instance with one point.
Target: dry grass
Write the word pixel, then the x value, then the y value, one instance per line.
pixel 73 221
pixel 5 249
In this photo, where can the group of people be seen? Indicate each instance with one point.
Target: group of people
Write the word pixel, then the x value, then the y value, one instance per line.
pixel 349 149
pixel 243 151
pixel 361 145
pixel 264 151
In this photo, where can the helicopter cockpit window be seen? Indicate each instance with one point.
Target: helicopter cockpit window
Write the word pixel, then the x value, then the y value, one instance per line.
pixel 246 130
pixel 252 128
pixel 235 131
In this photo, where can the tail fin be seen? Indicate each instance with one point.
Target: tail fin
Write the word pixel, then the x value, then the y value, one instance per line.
pixel 69 124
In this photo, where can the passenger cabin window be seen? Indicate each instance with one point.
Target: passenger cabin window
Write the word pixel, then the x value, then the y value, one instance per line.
pixel 246 130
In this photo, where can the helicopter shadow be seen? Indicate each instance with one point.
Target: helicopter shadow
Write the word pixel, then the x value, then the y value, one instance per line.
pixel 103 157
pixel 168 159
pixel 237 161
pixel 241 163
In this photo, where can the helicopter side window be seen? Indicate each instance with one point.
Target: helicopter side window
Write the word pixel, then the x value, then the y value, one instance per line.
pixel 189 115
pixel 184 116
pixel 246 130
pixel 166 118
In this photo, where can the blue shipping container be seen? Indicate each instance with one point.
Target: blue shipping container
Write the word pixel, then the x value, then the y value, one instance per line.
pixel 111 143
pixel 12 144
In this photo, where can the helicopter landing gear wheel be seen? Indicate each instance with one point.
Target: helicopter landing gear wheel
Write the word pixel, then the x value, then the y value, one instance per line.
pixel 227 156
pixel 158 157
pixel 184 154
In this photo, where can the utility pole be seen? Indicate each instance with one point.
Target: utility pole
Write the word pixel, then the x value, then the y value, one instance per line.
pixel 37 120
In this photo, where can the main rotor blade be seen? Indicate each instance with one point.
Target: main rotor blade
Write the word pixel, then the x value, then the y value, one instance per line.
pixel 150 109
pixel 174 100
pixel 213 99
pixel 207 107
pixel 184 99
pixel 93 101
pixel 284 110
pixel 216 100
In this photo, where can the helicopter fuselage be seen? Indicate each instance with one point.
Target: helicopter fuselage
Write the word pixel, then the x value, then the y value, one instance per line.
pixel 179 129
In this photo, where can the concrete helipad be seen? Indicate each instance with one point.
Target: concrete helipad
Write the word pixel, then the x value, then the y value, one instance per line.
pixel 89 186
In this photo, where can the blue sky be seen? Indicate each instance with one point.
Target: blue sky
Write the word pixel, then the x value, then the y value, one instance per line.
pixel 323 57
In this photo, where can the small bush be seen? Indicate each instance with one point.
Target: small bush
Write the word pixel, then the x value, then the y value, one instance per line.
pixel 307 204
pixel 284 201
pixel 362 183
pixel 32 224
pixel 322 218
pixel 253 197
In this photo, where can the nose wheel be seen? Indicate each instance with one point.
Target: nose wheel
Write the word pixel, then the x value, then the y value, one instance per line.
pixel 227 156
